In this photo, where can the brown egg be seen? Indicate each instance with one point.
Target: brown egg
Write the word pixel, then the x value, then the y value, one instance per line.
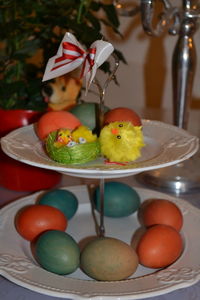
pixel 108 259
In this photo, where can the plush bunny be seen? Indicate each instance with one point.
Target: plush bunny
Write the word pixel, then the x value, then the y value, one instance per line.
pixel 62 92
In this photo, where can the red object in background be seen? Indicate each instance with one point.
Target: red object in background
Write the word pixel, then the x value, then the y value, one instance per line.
pixel 12 119
pixel 15 175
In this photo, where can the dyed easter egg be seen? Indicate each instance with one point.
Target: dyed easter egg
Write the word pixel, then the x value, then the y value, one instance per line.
pixel 160 211
pixel 120 200
pixel 108 259
pixel 159 246
pixel 32 220
pixel 122 114
pixel 64 200
pixel 87 113
pixel 57 252
pixel 55 120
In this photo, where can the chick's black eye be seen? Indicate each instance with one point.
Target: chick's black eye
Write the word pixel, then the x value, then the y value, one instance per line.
pixel 63 88
pixel 120 125
pixel 118 136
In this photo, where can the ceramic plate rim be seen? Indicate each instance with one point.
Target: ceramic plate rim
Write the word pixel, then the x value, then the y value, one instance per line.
pixel 78 170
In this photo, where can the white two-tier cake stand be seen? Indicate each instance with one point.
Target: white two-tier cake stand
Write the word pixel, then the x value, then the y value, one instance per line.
pixel 165 145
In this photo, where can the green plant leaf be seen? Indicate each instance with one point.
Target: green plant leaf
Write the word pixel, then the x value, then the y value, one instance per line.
pixel 111 14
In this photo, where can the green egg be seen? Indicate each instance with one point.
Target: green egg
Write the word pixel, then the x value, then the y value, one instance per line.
pixel 64 200
pixel 57 252
pixel 120 200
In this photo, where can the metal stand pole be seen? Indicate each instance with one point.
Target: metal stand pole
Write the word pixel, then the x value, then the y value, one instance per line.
pixel 101 225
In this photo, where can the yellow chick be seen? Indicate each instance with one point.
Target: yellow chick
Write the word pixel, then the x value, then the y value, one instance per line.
pixel 63 138
pixel 83 135
pixel 121 141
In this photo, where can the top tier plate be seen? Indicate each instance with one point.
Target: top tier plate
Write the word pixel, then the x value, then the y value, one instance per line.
pixel 165 145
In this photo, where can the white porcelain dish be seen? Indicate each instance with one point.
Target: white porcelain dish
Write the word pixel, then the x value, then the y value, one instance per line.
pixel 18 265
pixel 165 145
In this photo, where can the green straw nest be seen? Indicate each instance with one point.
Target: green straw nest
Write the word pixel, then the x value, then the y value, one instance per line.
pixel 77 154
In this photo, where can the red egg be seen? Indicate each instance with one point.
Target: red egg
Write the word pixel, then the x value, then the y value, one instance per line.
pixel 55 120
pixel 160 211
pixel 159 246
pixel 34 219
pixel 122 114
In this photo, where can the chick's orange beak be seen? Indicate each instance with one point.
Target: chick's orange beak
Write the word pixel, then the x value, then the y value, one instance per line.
pixel 115 131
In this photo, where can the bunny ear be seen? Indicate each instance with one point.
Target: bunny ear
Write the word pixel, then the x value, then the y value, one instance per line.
pixel 103 51
pixel 69 57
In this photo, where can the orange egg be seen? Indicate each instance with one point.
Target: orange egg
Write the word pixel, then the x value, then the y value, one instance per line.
pixel 54 120
pixel 159 246
pixel 122 114
pixel 160 211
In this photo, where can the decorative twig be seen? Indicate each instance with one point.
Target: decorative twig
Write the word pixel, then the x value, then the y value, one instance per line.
pixel 102 91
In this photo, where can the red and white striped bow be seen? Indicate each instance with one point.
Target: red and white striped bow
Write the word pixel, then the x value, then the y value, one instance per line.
pixel 72 55
pixel 72 52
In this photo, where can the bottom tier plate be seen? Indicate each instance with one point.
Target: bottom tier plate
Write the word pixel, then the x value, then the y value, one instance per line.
pixel 18 265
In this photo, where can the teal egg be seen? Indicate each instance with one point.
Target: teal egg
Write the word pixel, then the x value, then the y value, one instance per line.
pixel 87 113
pixel 120 200
pixel 64 200
pixel 57 252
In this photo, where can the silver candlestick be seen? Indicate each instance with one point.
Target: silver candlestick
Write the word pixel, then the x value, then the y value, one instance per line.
pixel 184 22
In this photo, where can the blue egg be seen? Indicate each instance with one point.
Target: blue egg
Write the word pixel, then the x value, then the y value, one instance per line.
pixel 61 199
pixel 120 200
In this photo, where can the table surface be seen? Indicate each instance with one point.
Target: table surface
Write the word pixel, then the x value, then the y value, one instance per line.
pixel 11 291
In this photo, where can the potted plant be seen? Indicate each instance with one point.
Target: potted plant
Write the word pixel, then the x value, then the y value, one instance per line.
pixel 30 34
